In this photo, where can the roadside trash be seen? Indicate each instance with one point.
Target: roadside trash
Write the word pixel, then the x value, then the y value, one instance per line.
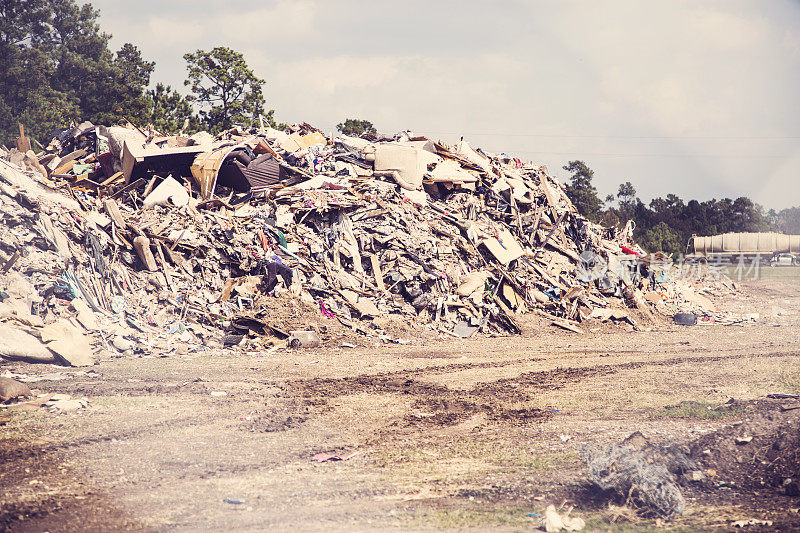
pixel 743 440
pixel 122 344
pixel 627 472
pixel 554 522
pixel 752 522
pixel 239 239
pixel 65 403
pixel 324 456
pixel 11 389
pixel 234 501
pixel 303 339
pixel 685 319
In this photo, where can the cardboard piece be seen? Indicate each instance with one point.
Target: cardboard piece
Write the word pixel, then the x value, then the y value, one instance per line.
pixel 67 341
pixel 504 247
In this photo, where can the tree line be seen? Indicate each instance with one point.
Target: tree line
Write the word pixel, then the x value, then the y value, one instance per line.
pixel 56 67
pixel 666 224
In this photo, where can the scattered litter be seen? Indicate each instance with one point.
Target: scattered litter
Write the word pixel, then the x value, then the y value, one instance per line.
pixel 11 390
pixel 685 319
pixel 752 522
pixel 783 396
pixel 303 339
pixel 234 501
pixel 627 472
pixel 554 522
pixel 64 403
pixel 324 456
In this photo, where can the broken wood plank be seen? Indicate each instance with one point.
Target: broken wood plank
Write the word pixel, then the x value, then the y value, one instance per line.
pixel 112 210
pixel 142 246
pixel 10 262
pixel 567 326
pixel 118 176
pixel 22 142
pixel 556 318
pixel 128 187
pixel 376 271
pixel 63 168
pixel 72 156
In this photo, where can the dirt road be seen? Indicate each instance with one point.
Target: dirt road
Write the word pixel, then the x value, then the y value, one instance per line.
pixel 474 434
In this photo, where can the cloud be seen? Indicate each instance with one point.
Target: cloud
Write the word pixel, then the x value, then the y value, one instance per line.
pixel 329 75
pixel 285 19
pixel 776 187
pixel 174 33
pixel 393 91
pixel 727 31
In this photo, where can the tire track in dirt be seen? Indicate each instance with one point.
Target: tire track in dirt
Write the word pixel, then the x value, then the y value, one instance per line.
pixel 450 406
pixel 33 450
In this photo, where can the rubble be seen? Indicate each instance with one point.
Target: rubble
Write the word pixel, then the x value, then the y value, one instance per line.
pixel 11 389
pixel 628 473
pixel 554 522
pixel 246 237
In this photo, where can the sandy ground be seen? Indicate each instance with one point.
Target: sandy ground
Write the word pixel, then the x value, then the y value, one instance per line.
pixel 470 434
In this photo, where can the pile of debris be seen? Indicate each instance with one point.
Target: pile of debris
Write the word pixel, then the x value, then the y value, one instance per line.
pixel 248 236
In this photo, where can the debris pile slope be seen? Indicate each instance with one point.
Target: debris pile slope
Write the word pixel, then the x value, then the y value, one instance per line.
pixel 252 234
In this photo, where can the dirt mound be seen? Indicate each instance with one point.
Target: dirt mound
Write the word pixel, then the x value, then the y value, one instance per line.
pixel 760 453
pixel 753 464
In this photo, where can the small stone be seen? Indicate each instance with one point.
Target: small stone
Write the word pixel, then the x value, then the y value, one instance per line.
pixel 11 389
pixel 791 487
pixel 695 476
pixel 122 344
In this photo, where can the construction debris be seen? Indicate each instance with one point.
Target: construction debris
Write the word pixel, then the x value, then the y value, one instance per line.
pixel 554 522
pixel 630 474
pixel 132 240
pixel 11 389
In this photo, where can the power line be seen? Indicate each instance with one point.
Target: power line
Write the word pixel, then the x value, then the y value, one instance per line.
pixel 654 137
pixel 601 154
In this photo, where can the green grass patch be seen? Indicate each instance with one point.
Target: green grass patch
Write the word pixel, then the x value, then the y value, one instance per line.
pixel 489 452
pixel 790 381
pixel 512 517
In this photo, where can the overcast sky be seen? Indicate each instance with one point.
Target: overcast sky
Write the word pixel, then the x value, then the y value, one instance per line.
pixel 696 98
